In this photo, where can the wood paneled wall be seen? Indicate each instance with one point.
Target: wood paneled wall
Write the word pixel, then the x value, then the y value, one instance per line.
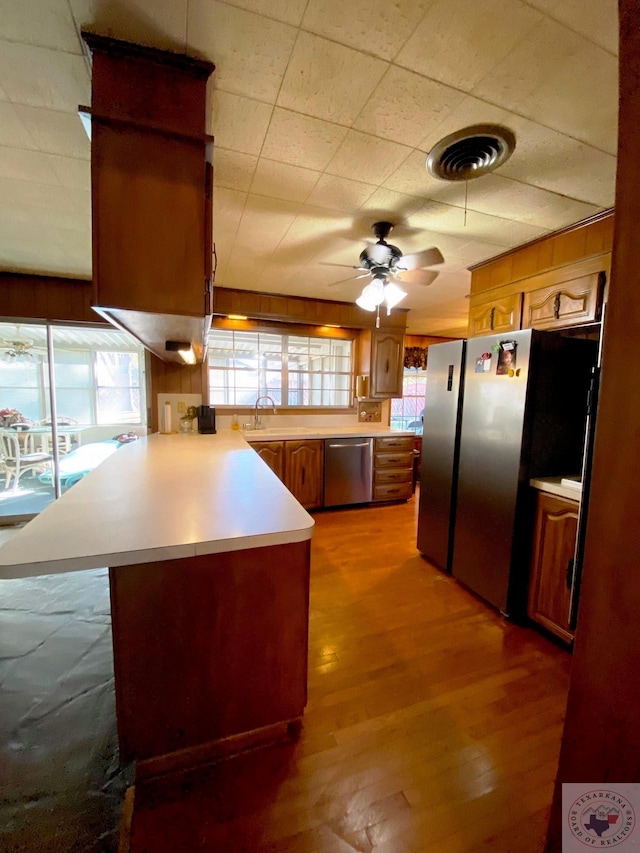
pixel 298 309
pixel 587 239
pixel 40 297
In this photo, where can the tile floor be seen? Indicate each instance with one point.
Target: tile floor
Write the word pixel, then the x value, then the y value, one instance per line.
pixel 61 787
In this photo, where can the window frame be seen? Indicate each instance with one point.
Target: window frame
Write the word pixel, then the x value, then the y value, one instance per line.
pixel 290 330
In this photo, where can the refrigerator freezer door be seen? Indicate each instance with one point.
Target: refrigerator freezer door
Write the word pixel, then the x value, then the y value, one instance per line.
pixel 440 452
pixel 491 448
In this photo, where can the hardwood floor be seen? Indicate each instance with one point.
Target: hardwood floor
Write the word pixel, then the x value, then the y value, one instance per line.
pixel 432 723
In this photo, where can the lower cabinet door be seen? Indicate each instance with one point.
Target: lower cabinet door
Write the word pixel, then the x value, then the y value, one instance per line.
pixel 304 471
pixel 552 564
pixel 273 454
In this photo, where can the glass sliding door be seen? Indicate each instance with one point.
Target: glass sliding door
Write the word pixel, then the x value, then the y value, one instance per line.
pixel 69 397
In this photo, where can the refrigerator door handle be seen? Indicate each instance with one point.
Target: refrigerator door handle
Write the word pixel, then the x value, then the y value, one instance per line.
pixel 450 378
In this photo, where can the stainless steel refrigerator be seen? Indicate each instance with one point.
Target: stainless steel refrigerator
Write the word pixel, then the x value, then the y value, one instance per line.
pixel 523 415
pixel 439 464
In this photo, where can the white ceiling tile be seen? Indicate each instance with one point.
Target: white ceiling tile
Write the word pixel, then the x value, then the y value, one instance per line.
pixel 47 23
pixel 301 140
pixel 600 25
pixel 337 193
pixel 156 23
pixel 459 42
pixel 71 172
pixel 287 11
pixel 478 226
pixel 405 106
pixel 386 205
pixel 284 181
pixel 367 158
pixel 412 177
pixel 467 112
pixel 375 26
pixel 55 132
pixel 250 52
pixel 233 170
pixel 41 77
pixel 25 165
pixel 239 124
pixel 511 199
pixel 228 206
pixel 328 80
pixel 561 80
pixel 13 131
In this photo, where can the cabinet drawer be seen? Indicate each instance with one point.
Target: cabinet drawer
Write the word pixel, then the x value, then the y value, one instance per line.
pixel 392 491
pixel 401 442
pixel 402 459
pixel 393 475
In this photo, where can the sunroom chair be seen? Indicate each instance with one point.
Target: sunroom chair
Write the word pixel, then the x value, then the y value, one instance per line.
pixel 65 442
pixel 16 462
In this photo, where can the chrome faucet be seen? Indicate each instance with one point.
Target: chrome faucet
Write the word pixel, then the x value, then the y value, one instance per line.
pixel 257 420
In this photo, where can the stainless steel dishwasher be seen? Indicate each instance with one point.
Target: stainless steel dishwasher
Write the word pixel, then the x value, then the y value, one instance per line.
pixel 348 471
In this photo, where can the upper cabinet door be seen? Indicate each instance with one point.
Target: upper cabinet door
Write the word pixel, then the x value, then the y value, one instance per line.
pixel 572 303
pixel 387 363
pixel 500 315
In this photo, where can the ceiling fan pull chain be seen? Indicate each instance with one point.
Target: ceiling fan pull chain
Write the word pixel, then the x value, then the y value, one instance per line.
pixel 466 196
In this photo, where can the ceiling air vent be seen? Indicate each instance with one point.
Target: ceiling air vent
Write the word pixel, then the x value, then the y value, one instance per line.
pixel 471 152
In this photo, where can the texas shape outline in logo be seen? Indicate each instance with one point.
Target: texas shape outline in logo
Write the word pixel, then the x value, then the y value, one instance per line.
pixel 601 818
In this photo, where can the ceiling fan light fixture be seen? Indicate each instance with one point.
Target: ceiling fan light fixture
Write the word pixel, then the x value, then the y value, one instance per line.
pixel 374 292
pixel 393 295
pixel 365 304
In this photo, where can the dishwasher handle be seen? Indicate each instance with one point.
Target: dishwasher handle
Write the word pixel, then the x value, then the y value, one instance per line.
pixel 362 444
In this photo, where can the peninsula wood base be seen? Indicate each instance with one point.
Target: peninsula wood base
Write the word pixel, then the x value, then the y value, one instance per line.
pixel 208 650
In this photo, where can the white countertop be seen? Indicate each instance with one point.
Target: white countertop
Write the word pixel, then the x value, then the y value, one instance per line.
pixel 357 431
pixel 163 497
pixel 554 486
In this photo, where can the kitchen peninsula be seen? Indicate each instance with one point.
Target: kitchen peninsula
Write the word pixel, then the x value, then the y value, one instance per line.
pixel 208 558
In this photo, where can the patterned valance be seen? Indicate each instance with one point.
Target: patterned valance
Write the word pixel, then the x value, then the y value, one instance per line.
pixel 415 357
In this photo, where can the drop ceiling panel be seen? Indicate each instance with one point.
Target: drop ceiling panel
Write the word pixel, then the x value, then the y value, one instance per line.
pixel 71 172
pixel 405 105
pixel 250 52
pixel 46 23
pixel 284 181
pixel 515 200
pixel 376 26
pixel 160 23
pixel 337 193
pixel 233 170
pixel 40 77
pixel 327 80
pixel 367 158
pixel 55 132
pixel 491 229
pixel 25 165
pixel 302 140
pixel 560 79
pixel 239 123
pixel 460 43
pixel 287 11
pixel 599 26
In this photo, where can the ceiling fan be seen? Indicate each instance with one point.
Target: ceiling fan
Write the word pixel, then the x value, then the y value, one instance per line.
pixel 16 349
pixel 388 268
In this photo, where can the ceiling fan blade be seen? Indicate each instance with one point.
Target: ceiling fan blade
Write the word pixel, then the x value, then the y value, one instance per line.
pixel 419 260
pixel 423 277
pixel 344 266
pixel 351 278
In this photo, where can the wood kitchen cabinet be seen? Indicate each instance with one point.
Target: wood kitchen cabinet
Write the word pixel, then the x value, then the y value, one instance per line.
pixel 393 468
pixel 300 466
pixel 273 454
pixel 499 315
pixel 303 471
pixel 551 574
pixel 387 363
pixel 151 193
pixel 571 303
